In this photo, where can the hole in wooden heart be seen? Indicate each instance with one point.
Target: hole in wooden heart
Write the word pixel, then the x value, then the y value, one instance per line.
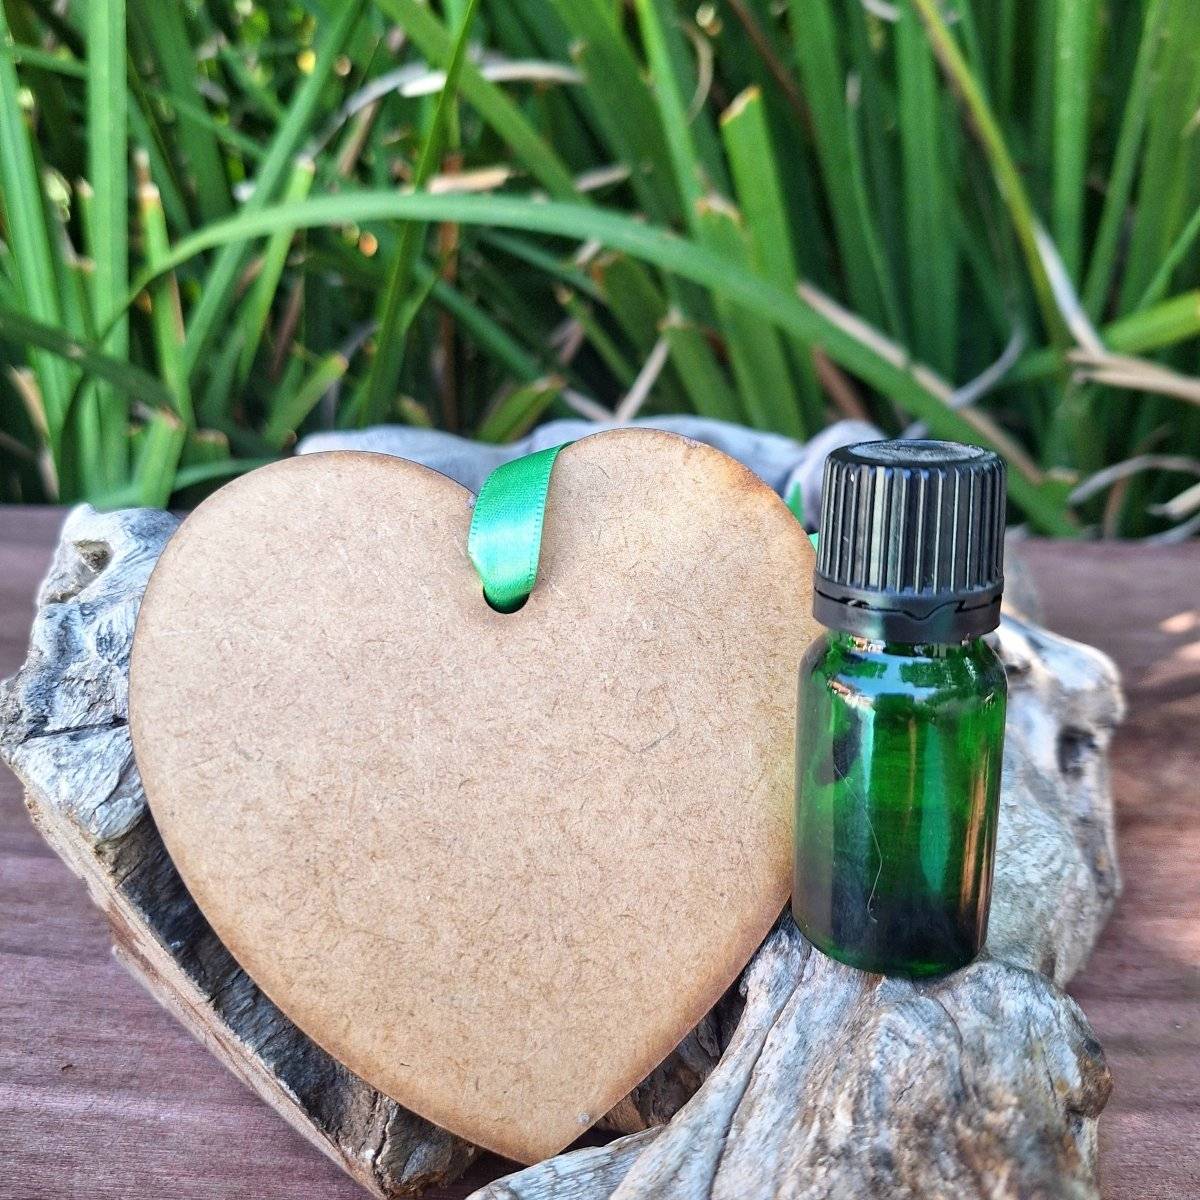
pixel 512 608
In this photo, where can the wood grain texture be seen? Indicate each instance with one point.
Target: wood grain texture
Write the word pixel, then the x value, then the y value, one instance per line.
pixel 1141 989
pixel 142 1103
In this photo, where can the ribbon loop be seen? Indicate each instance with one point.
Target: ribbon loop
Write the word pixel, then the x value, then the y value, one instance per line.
pixel 505 538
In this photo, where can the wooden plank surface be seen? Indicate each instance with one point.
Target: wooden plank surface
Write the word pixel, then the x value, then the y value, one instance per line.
pixel 1141 990
pixel 103 1096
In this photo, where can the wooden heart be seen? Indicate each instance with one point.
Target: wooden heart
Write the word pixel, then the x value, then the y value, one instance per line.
pixel 499 865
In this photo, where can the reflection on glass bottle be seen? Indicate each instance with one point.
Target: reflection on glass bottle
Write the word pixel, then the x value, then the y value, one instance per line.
pixel 901 710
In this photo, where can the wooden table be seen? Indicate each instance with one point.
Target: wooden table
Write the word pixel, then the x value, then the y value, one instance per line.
pixel 103 1096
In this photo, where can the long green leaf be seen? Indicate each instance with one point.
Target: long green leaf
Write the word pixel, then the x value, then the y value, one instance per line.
pixel 928 193
pixel 252 318
pixel 755 351
pixel 435 42
pixel 166 316
pixel 217 293
pixel 29 240
pixel 162 442
pixel 760 197
pixel 204 472
pixel 108 172
pixel 384 377
pixel 1167 180
pixel 1171 261
pixel 294 406
pixel 1124 166
pixel 704 380
pixel 134 382
pixel 515 415
pixel 906 383
pixel 823 75
pixel 164 30
pixel 1008 179
pixel 626 294
pixel 1167 323
pixel 621 104
pixel 672 107
pixel 1074 33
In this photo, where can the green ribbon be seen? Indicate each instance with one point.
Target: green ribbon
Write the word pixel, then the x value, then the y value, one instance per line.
pixel 505 538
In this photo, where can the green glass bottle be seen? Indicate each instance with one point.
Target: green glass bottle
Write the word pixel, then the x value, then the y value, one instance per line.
pixel 901 709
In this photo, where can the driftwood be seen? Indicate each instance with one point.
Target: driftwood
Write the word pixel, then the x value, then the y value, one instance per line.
pixel 814 1080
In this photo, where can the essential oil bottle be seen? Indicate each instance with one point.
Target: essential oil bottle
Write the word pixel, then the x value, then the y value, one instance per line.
pixel 901 709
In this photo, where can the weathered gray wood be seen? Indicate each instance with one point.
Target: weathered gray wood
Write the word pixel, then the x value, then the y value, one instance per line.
pixel 838 1084
pixel 986 1083
pixel 834 1083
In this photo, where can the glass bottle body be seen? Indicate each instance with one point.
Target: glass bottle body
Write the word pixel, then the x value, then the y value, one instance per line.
pixel 899 752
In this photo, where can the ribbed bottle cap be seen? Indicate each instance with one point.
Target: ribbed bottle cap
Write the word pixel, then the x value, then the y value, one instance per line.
pixel 912 541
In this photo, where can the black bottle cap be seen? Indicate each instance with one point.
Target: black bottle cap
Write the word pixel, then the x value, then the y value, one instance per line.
pixel 912 541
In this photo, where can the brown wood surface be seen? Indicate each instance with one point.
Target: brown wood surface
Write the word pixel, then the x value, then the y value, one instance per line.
pixel 102 1095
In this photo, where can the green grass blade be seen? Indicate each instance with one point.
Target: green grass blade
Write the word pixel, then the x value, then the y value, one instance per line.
pixel 162 442
pixel 626 295
pixel 1167 323
pixel 45 60
pixel 62 135
pixel 620 104
pixel 860 351
pixel 1074 33
pixel 697 367
pixel 1004 29
pixel 1004 170
pixel 515 415
pixel 163 29
pixel 486 331
pixel 292 407
pixel 755 352
pixel 29 240
pixel 108 174
pixel 147 133
pixel 872 242
pixel 683 60
pixel 185 477
pixel 823 76
pixel 928 199
pixel 595 334
pixel 133 381
pixel 1173 258
pixel 758 188
pixel 1167 180
pixel 256 308
pixel 1124 165
pixel 221 394
pixel 533 254
pixel 435 42
pixel 384 378
pixel 166 315
pixel 760 197
pixel 217 293
pixel 871 118
pixel 636 304
pixel 672 106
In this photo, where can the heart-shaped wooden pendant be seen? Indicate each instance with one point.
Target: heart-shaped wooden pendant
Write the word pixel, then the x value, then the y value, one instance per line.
pixel 499 865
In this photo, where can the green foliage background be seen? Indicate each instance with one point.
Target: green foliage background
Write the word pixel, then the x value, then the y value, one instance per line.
pixel 225 224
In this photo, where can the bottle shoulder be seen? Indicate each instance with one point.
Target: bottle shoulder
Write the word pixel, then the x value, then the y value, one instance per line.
pixel 852 667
